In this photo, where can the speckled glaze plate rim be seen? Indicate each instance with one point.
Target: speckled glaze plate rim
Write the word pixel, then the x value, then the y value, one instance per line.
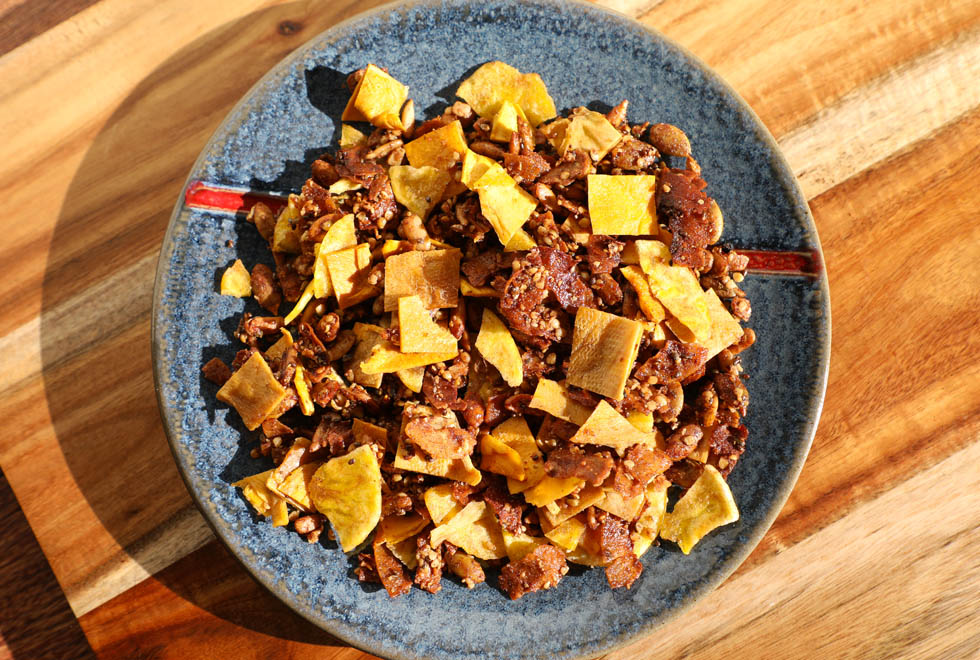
pixel 362 639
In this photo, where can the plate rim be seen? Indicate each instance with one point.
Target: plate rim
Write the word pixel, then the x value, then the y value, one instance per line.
pixel 358 638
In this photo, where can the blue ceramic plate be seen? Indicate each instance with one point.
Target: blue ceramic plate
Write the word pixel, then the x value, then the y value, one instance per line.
pixel 588 56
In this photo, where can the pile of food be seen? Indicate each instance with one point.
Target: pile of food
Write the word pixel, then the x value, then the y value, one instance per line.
pixel 510 341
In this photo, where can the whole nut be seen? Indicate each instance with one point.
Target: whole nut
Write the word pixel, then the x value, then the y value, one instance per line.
pixel 670 140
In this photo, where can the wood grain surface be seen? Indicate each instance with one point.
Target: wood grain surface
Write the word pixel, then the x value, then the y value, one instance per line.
pixel 105 104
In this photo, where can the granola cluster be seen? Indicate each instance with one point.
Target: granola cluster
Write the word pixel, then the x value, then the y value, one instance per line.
pixel 510 339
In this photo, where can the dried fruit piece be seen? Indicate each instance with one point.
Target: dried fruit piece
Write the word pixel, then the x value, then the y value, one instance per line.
pixel 553 398
pixel 418 332
pixel 623 204
pixel 725 328
pixel 285 238
pixel 652 309
pixel 432 275
pixel 520 545
pixel 568 534
pixel 442 148
pixel 348 270
pixel 475 166
pixel 496 82
pixel 679 291
pixel 608 428
pixel 350 136
pixel 404 551
pixel 347 490
pixel 418 188
pixel 236 281
pixel 505 121
pixel 284 342
pixel 440 503
pixel 499 458
pixel 475 530
pixel 626 508
pixel 340 235
pixel 707 504
pixel 648 523
pixel 468 289
pixel 497 346
pixel 592 133
pixel 604 347
pixel 253 391
pixel 378 99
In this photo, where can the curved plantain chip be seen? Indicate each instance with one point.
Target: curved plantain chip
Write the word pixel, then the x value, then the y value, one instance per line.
pixel 347 490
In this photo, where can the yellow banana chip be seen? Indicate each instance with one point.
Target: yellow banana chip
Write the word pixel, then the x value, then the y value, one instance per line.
pixel 498 347
pixel 236 281
pixel 604 348
pixel 442 148
pixel 506 206
pixel 679 291
pixel 418 333
pixel 257 493
pixel 457 469
pixel 505 121
pixel 725 328
pixel 570 506
pixel 608 428
pixel 378 98
pixel 412 378
pixel 499 458
pixel 553 398
pixel 348 270
pixel 418 188
pixel 432 275
pixel 550 489
pixel 395 529
pixel 707 504
pixel 648 524
pixel 652 309
pixel 623 204
pixel 496 82
pixel 519 546
pixel 568 534
pixel 475 530
pixel 592 133
pixel 475 166
pixel 368 337
pixel 440 503
pixel 253 391
pixel 295 487
pixel 340 235
pixel 516 434
pixel 347 490
pixel 350 136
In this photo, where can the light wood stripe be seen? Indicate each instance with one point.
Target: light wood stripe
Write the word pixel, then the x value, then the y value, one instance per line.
pixel 871 123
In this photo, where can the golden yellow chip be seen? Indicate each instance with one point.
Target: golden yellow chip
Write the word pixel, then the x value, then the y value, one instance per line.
pixel 550 489
pixel 641 421
pixel 378 99
pixel 440 504
pixel 303 391
pixel 279 513
pixel 253 391
pixel 475 530
pixel 498 347
pixel 623 204
pixel 616 504
pixel 553 398
pixel 301 304
pixel 650 251
pixel 236 281
pixel 568 534
pixel 419 189
pixel 677 289
pixel 348 270
pixel 283 343
pixel 555 131
pixel 584 556
pixel 590 132
pixel 725 329
pixel 457 469
pixel 570 506
pixel 347 490
pixel 641 544
pixel 412 378
pixel 345 185
pixel 475 166
pixel 506 207
pixel 368 433
pixel 340 235
pixel 350 136
pixel 499 458
pixel 468 289
pixel 505 121
pixel 608 428
pixel 295 487
pixel 385 358
pixel 653 310
pixel 521 240
pixel 496 82
pixel 520 545
pixel 706 505
pixel 418 333
pixel 368 336
pixel 442 148
pixel 432 275
pixel 516 434
pixel 254 490
pixel 285 238
pixel 604 347
pixel 395 529
pixel 404 551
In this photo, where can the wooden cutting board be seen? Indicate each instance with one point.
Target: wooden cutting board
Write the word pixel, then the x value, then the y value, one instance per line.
pixel 104 105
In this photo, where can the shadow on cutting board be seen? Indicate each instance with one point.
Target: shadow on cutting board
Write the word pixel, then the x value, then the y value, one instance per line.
pixel 96 359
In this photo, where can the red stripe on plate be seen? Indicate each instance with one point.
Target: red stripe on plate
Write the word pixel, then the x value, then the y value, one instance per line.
pixel 209 197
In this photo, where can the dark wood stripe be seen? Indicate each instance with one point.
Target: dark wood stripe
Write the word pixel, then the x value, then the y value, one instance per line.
pixel 26 19
pixel 36 621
